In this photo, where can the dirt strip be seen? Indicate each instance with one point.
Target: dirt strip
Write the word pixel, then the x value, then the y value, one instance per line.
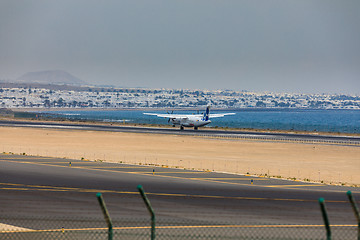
pixel 310 162
pixel 6 227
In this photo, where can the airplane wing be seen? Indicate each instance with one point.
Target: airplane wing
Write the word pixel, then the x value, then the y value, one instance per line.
pixel 168 115
pixel 216 115
pixel 220 115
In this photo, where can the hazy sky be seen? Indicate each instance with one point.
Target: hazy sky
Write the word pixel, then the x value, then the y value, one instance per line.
pixel 310 46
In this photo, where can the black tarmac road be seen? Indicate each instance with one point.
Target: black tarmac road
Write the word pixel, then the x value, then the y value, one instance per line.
pixel 51 188
pixel 48 193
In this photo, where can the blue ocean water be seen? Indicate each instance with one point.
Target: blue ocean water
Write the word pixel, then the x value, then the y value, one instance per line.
pixel 343 121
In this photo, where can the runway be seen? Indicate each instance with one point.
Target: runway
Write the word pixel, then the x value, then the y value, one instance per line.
pixel 203 132
pixel 41 194
pixel 38 189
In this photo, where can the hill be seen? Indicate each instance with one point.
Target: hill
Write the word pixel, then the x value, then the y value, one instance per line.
pixel 56 77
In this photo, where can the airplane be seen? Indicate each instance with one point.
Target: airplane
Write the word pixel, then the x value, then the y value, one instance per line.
pixel 195 120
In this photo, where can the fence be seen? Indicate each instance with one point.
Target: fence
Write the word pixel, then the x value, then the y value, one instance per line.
pixel 165 227
pixel 179 230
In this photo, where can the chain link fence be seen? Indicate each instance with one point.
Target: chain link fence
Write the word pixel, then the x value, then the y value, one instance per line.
pixel 139 228
pixel 168 227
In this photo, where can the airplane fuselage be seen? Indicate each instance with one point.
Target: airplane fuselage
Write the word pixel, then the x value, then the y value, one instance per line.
pixel 191 121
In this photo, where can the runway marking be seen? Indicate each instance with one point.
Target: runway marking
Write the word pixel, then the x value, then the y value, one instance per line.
pixel 241 179
pixel 23 157
pixel 74 163
pixel 150 173
pixel 27 187
pixel 233 226
pixel 303 185
pixel 67 162
pixel 184 178
pixel 145 174
pixel 176 227
pixel 150 168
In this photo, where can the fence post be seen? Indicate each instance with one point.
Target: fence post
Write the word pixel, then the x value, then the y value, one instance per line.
pixel 356 210
pixel 325 217
pixel 151 211
pixel 106 215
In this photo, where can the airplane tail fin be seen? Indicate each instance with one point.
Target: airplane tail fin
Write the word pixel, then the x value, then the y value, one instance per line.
pixel 206 114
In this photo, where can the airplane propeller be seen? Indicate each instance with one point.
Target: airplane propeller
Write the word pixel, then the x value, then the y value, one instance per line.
pixel 169 113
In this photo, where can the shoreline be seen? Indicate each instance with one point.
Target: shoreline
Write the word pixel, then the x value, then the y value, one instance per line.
pixel 330 164
pixel 176 108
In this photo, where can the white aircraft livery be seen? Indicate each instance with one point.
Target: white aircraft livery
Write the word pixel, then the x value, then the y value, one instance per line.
pixel 194 120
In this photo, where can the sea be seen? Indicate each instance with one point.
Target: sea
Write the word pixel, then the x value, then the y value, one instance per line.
pixel 313 120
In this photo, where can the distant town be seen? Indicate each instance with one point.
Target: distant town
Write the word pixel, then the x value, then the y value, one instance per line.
pixel 52 96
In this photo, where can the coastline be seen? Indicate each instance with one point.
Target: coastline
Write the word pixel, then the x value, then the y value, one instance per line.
pixel 62 119
pixel 215 128
pixel 331 164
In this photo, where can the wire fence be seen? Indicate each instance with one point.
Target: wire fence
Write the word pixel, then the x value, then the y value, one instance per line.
pixel 169 227
pixel 81 228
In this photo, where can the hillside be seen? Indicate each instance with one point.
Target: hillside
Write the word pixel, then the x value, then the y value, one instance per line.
pixel 56 77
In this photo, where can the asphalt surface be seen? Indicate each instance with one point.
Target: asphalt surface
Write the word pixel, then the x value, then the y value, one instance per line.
pixel 45 193
pixel 317 138
pixel 41 188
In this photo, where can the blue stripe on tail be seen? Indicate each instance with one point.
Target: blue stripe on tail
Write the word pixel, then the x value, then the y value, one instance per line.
pixel 206 114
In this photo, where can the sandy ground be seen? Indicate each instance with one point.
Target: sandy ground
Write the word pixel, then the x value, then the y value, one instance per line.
pixel 6 227
pixel 314 162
